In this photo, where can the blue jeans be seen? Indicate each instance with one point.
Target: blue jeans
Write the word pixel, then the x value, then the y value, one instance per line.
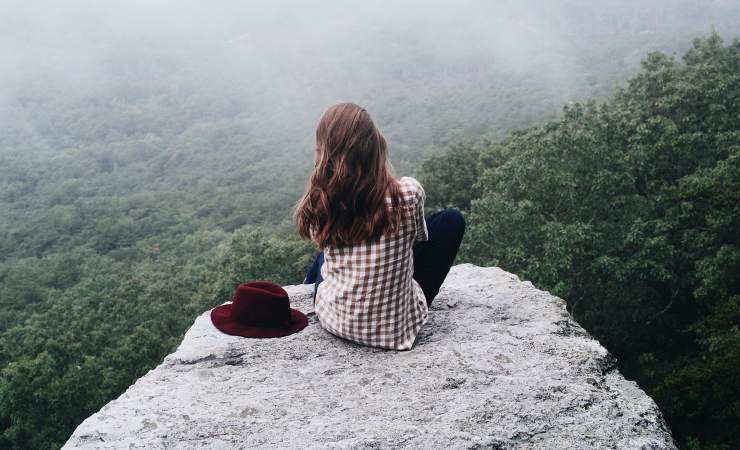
pixel 432 258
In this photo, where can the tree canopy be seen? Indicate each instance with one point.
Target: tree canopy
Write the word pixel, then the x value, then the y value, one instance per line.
pixel 629 210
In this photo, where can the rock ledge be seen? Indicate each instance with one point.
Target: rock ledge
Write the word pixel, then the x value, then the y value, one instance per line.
pixel 500 364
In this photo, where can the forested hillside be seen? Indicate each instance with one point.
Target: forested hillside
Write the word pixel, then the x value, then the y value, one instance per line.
pixel 149 157
pixel 629 210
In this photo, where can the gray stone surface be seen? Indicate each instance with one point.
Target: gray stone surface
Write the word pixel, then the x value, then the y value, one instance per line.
pixel 499 364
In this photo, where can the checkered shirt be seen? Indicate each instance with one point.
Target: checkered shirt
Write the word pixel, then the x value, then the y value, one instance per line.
pixel 368 294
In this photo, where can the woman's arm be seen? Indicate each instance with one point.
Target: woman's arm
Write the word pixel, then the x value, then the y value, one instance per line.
pixel 422 233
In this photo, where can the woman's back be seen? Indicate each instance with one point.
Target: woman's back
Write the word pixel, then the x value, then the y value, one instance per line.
pixel 368 294
pixel 373 286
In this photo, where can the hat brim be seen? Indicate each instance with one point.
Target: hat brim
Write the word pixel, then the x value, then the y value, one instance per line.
pixel 221 318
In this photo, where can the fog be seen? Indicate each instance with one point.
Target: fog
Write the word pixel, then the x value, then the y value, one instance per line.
pixel 333 50
pixel 430 72
pixel 80 41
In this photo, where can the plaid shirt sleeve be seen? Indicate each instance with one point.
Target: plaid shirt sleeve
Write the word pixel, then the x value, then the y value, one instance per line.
pixel 419 222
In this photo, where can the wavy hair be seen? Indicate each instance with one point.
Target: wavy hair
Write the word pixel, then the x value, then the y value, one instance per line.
pixel 345 199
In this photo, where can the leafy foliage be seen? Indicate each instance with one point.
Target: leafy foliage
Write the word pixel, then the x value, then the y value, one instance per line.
pixel 630 210
pixel 80 346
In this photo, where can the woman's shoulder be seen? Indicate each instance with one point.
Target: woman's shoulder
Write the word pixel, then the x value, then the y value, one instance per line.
pixel 412 186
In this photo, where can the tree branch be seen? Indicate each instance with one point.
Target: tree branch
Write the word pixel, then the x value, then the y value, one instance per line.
pixel 674 295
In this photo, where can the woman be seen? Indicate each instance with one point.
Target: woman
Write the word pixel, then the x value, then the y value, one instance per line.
pixel 382 263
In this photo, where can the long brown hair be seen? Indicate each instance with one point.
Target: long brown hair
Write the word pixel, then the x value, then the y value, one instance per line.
pixel 344 201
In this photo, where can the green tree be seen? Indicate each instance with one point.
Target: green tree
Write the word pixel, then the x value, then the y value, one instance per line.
pixel 630 210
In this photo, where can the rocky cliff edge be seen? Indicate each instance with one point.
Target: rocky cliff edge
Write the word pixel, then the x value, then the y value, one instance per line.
pixel 500 364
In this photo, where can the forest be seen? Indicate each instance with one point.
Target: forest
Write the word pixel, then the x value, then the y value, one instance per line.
pixel 599 167
pixel 630 210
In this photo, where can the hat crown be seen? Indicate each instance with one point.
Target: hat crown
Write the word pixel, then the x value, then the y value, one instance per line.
pixel 261 304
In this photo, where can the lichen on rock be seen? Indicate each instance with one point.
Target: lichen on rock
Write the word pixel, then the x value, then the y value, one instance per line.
pixel 499 364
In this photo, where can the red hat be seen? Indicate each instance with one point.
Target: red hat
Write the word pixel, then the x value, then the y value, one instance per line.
pixel 259 309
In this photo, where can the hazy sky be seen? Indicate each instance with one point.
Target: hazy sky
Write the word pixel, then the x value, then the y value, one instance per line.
pixel 293 59
pixel 76 41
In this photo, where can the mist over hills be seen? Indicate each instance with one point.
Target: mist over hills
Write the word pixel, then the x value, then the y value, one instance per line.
pixel 134 98
pixel 150 151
